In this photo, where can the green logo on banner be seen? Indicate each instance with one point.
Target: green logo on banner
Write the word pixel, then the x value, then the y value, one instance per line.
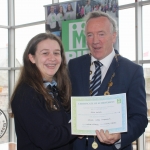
pixel 78 37
pixel 74 39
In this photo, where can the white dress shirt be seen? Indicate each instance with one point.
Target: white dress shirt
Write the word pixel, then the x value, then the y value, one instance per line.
pixel 106 63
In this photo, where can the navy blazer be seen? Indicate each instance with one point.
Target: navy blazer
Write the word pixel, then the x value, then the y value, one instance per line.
pixel 128 79
pixel 36 127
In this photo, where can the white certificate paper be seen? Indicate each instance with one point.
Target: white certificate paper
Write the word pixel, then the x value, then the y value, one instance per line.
pixel 92 113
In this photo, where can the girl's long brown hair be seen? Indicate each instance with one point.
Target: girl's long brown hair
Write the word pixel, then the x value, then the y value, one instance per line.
pixel 31 75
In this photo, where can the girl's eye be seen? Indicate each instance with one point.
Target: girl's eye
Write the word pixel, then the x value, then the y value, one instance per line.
pixel 45 53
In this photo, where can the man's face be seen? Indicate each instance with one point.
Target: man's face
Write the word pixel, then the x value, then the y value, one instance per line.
pixel 100 37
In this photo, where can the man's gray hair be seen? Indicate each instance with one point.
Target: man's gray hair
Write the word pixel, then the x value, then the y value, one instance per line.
pixel 96 14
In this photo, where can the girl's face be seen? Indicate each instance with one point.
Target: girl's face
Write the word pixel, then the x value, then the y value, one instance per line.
pixel 61 9
pixel 47 58
pixel 69 7
pixel 52 9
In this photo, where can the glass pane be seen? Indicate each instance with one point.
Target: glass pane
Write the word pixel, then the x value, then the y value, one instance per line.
pixel 17 73
pixel 124 2
pixel 63 1
pixel 3 12
pixel 127 33
pixel 147 86
pixel 147 136
pixel 4 102
pixel 134 145
pixel 5 137
pixel 8 146
pixel 146 32
pixel 22 37
pixel 27 11
pixel 55 1
pixel 3 47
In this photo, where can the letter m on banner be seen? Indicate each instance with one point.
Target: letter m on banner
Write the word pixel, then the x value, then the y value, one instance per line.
pixel 73 38
pixel 77 36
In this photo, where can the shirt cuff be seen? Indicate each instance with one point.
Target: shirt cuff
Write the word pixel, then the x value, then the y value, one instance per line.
pixel 118 144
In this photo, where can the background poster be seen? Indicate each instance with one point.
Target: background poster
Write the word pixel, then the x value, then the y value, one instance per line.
pixel 57 13
pixel 66 21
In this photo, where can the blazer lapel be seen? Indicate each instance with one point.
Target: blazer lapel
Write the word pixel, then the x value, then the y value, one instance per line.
pixel 85 72
pixel 108 76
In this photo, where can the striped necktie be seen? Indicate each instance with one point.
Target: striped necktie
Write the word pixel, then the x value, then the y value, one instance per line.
pixel 95 82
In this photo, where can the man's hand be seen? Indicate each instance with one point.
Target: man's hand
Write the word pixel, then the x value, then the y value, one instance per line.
pixel 107 138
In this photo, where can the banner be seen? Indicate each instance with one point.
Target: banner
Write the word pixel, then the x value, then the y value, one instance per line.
pixel 65 20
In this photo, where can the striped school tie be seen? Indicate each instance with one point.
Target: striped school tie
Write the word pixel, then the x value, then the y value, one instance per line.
pixel 96 79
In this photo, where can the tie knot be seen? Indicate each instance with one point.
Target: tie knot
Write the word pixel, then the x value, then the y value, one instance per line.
pixel 98 64
pixel 53 89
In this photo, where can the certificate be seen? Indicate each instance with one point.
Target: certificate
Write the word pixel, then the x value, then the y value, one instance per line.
pixel 92 113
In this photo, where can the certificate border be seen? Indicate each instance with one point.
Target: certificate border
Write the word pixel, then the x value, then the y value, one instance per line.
pixel 118 97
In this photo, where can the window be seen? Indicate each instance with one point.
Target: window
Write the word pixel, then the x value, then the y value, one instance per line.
pixel 123 2
pixel 3 13
pixel 146 32
pixel 4 79
pixel 4 101
pixel 3 47
pixel 27 11
pixel 127 33
pixel 23 35
pixel 146 68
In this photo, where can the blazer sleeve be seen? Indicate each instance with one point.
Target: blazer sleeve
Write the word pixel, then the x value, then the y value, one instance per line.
pixel 136 108
pixel 34 120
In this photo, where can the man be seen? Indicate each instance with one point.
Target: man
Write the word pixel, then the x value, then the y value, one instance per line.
pixel 124 76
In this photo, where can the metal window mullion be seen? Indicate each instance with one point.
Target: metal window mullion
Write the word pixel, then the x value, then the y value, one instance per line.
pixel 138 32
pixel 54 1
pixel 139 54
pixel 144 2
pixel 144 61
pixel 126 6
pixel 11 62
pixel 28 24
pixel 5 27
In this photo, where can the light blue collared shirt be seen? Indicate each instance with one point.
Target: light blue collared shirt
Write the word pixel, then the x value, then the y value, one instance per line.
pixel 46 83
